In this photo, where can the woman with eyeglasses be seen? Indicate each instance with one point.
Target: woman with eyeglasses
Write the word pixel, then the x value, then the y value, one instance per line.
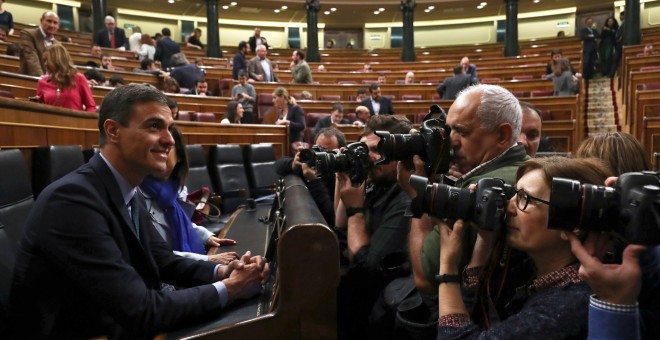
pixel 553 302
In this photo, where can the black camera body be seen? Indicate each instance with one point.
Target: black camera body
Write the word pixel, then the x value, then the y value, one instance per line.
pixel 631 208
pixel 353 160
pixel 485 206
pixel 432 144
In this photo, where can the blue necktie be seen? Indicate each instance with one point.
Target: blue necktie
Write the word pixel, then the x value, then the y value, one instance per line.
pixel 135 214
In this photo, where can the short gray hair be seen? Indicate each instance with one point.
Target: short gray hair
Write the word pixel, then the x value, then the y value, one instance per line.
pixel 498 106
pixel 109 17
pixel 178 59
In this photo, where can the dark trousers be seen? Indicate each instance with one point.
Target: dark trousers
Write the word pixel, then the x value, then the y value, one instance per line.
pixel 247 118
pixel 588 63
pixel 618 51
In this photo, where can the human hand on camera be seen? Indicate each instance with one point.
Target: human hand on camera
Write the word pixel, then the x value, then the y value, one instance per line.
pixel 403 175
pixel 350 195
pixel 450 243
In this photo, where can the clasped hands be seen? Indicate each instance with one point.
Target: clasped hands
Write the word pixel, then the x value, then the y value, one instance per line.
pixel 244 277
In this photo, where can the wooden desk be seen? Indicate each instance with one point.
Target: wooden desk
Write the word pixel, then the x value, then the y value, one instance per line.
pixel 299 300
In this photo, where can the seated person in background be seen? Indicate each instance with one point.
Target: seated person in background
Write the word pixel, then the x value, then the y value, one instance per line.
pixel 306 95
pixel 66 39
pixel 4 31
pixel 201 88
pixel 149 66
pixel 361 95
pixel 410 78
pixel 106 63
pixel 174 107
pixel 162 192
pixel 530 132
pixel 244 93
pixel 561 34
pixel 193 40
pixel 648 51
pixel 321 68
pixel 555 302
pixel 365 68
pixel 170 85
pixel 64 86
pixel 14 50
pixel 376 103
pixel 381 78
pixel 91 239
pixel 336 117
pixel 116 81
pixel 470 69
pixel 321 189
pixel 234 113
pixel 289 114
pixel 330 44
pixel 185 73
pixel 96 51
pixel 362 114
pixel 555 56
pixel 147 49
pixel 95 77
pixel 565 83
pixel 450 88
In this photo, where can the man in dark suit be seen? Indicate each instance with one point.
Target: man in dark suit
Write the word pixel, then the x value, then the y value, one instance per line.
pixel 111 36
pixel 455 84
pixel 589 48
pixel 201 88
pixel 257 40
pixel 335 117
pixel 239 60
pixel 90 263
pixel 165 49
pixel 34 42
pixel 377 104
pixel 470 69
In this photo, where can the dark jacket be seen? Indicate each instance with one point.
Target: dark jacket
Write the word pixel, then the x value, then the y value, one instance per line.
pixel 165 48
pixel 102 38
pixel 453 85
pixel 386 107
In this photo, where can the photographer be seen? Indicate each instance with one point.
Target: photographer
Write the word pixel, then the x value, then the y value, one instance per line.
pixel 486 123
pixel 373 215
pixel 321 189
pixel 552 303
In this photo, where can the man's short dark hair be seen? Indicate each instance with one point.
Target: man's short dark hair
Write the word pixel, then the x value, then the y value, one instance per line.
pixel 96 75
pixel 529 106
pixel 145 63
pixel 458 69
pixel 300 54
pixel 171 103
pixel 242 45
pixel 362 91
pixel 114 80
pixel 243 73
pixel 166 31
pixel 336 106
pixel 120 103
pixel 200 80
pixel 4 28
pixel 373 87
pixel 332 132
pixel 390 123
pixel 105 55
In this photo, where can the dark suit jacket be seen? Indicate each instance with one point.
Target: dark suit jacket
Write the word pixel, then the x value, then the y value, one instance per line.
pixel 589 40
pixel 472 72
pixel 32 50
pixel 165 48
pixel 253 44
pixel 82 272
pixel 453 85
pixel 386 107
pixel 325 122
pixel 254 68
pixel 102 38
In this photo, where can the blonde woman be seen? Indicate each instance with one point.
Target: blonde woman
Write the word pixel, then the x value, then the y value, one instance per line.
pixel 64 86
pixel 289 114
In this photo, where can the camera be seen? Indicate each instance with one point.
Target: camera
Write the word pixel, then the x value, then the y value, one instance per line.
pixel 353 160
pixel 432 144
pixel 631 208
pixel 485 206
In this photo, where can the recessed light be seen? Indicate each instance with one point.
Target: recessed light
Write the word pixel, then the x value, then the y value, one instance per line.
pixel 170 1
pixel 537 1
pixel 431 7
pixel 333 9
pixel 285 7
pixel 376 12
pixel 483 4
pixel 276 10
pixel 480 7
pixel 382 9
pixel 427 10
pixel 233 3
pixel 225 7
pixel 326 12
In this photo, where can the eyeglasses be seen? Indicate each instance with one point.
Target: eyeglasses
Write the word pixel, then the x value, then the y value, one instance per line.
pixel 523 198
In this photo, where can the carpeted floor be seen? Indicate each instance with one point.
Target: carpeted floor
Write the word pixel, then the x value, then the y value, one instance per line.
pixel 601 109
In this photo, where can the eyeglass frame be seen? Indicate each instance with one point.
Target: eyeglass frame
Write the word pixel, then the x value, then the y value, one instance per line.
pixel 529 198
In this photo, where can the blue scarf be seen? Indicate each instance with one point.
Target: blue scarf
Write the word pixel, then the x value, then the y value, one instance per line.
pixel 184 236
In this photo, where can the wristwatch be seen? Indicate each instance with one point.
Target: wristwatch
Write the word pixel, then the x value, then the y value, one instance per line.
pixel 350 211
pixel 447 278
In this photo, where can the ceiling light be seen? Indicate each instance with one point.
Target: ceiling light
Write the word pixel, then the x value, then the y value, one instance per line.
pixel 483 4
pixel 431 7
pixel 326 12
pixel 382 9
pixel 427 10
pixel 333 9
pixel 537 1
pixel 225 7
pixel 276 10
pixel 170 1
pixel 376 12
pixel 285 7
pixel 233 3
pixel 480 7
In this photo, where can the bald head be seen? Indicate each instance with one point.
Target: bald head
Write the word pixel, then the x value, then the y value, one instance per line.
pixel 50 23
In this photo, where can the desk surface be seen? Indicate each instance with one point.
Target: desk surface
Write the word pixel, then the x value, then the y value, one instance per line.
pixel 250 234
